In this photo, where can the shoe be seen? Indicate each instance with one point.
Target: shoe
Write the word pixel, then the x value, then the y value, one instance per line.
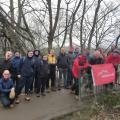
pixel 43 94
pixel 53 89
pixel 66 87
pixel 27 98
pixel 48 91
pixel 31 92
pixel 72 92
pixel 37 95
pixel 59 88
pixel 11 106
pixel 77 97
pixel 17 101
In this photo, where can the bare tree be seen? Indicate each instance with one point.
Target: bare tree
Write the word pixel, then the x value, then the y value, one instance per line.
pixel 94 23
pixel 73 21
pixel 81 27
pixel 52 28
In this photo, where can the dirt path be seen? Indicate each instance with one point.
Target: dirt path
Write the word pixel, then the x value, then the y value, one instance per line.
pixel 43 108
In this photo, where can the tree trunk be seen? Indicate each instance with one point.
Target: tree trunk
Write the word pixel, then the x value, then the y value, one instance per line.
pixel 81 27
pixel 12 11
pixel 73 21
pixel 52 28
pixel 66 27
pixel 50 43
pixel 94 23
pixel 117 39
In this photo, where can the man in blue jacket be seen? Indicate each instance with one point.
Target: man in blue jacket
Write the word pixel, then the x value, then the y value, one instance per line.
pixel 6 85
pixel 15 61
pixel 26 74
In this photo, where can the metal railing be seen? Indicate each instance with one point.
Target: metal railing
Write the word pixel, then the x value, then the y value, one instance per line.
pixel 85 90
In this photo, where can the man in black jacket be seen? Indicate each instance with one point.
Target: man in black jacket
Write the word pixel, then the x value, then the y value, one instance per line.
pixel 62 64
pixel 36 56
pixel 42 70
pixel 5 64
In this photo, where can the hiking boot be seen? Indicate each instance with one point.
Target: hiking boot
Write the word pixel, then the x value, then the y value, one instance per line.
pixel 72 92
pixel 43 94
pixel 37 95
pixel 27 98
pixel 59 88
pixel 31 92
pixel 77 97
pixel 53 89
pixel 11 106
pixel 48 90
pixel 17 101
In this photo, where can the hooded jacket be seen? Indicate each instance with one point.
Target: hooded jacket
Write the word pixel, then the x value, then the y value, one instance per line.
pixel 79 63
pixel 36 57
pixel 42 68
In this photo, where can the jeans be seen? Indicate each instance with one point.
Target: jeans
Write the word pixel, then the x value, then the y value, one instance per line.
pixel 62 74
pixel 25 81
pixel 69 77
pixel 6 102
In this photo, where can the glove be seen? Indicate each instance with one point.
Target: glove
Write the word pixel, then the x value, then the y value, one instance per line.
pixel 12 93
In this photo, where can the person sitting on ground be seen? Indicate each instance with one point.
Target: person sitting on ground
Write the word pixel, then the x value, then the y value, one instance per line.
pixel 7 93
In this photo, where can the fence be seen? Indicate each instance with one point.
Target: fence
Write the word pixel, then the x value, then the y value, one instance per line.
pixel 85 82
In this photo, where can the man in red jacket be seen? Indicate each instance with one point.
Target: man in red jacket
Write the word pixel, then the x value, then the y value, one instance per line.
pixel 114 58
pixel 79 69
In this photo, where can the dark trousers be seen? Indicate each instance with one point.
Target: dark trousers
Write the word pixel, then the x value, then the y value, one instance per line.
pixel 69 77
pixel 51 76
pixel 47 82
pixel 32 83
pixel 15 80
pixel 75 86
pixel 62 74
pixel 26 82
pixel 41 82
pixel 35 83
pixel 6 102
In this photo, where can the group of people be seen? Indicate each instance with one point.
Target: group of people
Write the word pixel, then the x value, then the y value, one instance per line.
pixel 37 73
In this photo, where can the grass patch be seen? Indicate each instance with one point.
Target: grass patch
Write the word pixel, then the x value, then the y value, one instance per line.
pixel 105 107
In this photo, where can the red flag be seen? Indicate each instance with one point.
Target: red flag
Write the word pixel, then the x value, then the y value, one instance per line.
pixel 103 74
